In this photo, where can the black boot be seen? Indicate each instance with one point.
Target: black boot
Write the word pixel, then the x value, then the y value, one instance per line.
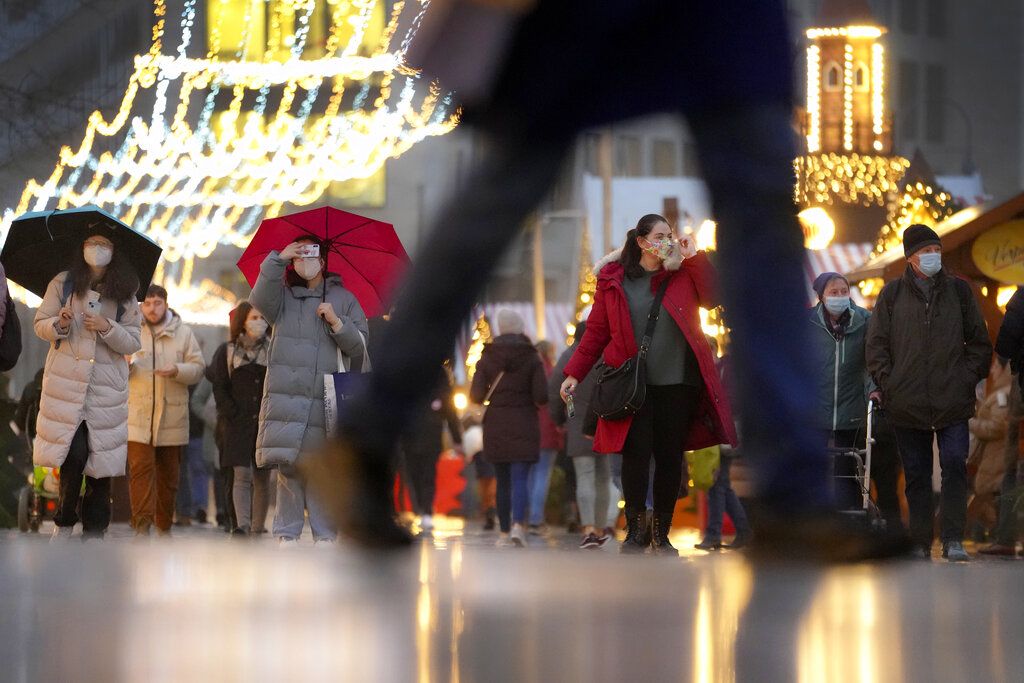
pixel 636 528
pixel 648 528
pixel 662 525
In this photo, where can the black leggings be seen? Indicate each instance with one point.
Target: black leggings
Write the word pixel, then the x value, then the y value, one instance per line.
pixel 94 502
pixel 659 430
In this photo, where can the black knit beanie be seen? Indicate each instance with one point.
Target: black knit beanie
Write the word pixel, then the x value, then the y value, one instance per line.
pixel 917 237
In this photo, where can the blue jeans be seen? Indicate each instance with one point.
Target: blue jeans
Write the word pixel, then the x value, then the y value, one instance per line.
pixel 537 483
pixel 722 499
pixel 193 480
pixel 513 495
pixel 917 455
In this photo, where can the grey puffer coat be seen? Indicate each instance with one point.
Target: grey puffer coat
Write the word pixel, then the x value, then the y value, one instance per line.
pixel 302 351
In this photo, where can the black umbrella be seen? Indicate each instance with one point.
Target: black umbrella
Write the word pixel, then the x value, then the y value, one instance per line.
pixel 41 244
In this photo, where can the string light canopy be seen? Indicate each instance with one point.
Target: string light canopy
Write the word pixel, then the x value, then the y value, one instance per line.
pixel 920 200
pixel 291 96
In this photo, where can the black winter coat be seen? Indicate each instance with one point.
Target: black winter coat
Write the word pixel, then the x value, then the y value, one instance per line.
pixel 1010 342
pixel 577 442
pixel 927 355
pixel 511 425
pixel 238 394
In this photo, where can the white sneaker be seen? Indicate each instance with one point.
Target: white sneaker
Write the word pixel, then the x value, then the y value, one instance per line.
pixel 284 543
pixel 503 541
pixel 324 543
pixel 61 534
pixel 427 523
pixel 518 536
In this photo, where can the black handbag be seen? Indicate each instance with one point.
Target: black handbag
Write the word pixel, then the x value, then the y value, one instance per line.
pixel 620 392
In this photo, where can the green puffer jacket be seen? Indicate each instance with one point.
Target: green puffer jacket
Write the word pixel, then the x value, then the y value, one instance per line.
pixel 843 382
pixel 927 355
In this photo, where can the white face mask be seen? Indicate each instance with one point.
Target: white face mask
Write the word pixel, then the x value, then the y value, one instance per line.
pixel 307 268
pixel 837 305
pixel 256 328
pixel 931 263
pixel 98 256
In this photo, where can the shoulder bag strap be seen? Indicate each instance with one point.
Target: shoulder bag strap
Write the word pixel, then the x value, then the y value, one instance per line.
pixel 497 381
pixel 652 318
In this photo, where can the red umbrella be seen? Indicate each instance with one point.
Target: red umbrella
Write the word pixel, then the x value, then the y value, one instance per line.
pixel 366 253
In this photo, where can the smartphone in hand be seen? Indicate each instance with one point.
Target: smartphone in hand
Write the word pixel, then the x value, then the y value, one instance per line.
pixel 92 302
pixel 570 406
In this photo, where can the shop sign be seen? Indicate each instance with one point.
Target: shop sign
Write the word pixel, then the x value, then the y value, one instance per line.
pixel 999 253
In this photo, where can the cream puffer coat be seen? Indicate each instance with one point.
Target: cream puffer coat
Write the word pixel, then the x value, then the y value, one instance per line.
pixel 85 379
pixel 163 420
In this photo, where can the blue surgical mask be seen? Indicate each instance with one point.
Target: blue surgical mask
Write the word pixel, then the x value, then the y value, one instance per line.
pixel 931 263
pixel 837 305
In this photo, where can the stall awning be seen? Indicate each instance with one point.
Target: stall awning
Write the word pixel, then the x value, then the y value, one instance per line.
pixel 835 258
pixel 956 231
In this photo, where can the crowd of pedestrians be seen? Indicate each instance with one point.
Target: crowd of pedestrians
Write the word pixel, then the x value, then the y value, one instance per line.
pixel 122 390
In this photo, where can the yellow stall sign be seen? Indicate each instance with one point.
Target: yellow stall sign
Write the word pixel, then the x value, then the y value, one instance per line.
pixel 999 253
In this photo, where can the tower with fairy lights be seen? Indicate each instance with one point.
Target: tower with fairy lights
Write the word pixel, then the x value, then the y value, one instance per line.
pixel 848 169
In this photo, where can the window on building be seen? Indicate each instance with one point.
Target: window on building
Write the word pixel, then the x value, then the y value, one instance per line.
pixel 664 157
pixel 861 79
pixel 935 106
pixel 691 163
pixel 833 77
pixel 937 18
pixel 628 156
pixel 908 98
pixel 909 10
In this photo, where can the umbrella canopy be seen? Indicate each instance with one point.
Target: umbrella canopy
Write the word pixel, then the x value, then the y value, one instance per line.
pixel 41 244
pixel 366 253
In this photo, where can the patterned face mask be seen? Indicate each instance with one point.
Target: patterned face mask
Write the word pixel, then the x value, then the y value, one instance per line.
pixel 661 247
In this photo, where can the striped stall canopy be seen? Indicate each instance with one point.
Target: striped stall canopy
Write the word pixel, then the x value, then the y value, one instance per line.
pixel 836 258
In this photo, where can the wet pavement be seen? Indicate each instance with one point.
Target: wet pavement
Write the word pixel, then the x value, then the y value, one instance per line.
pixel 202 607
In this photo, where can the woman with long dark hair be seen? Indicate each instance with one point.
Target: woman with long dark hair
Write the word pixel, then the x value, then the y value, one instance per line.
pixel 91 319
pixel 237 374
pixel 318 325
pixel 685 406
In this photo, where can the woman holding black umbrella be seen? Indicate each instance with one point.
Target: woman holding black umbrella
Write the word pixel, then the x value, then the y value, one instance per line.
pixel 318 326
pixel 91 319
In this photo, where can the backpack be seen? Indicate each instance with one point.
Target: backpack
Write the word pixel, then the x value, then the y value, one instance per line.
pixel 10 337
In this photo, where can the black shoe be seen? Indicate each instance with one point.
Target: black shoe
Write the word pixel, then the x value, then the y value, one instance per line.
pixel 355 488
pixel 200 516
pixel 491 520
pixel 637 539
pixel 741 540
pixel 240 533
pixel 661 528
pixel 708 544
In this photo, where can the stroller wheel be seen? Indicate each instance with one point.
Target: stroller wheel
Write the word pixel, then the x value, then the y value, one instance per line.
pixel 25 509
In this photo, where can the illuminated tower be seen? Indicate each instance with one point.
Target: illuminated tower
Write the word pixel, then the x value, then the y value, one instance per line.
pixel 846 82
pixel 848 170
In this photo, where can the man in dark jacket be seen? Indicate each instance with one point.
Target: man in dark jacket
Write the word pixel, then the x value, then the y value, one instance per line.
pixel 1010 342
pixel 927 349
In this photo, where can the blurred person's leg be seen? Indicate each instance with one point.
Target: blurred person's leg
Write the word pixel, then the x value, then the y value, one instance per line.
pixel 586 488
pixel 142 485
pixel 71 474
pixel 539 479
pixel 199 475
pixel 917 456
pixel 241 495
pixel 447 276
pixel 885 473
pixel 321 521
pixel 747 154
pixel 1006 530
pixel 183 508
pixel 636 459
pixel 261 483
pixel 422 469
pixel 673 412
pixel 733 505
pixel 165 482
pixel 503 474
pixel 954 444
pixel 716 505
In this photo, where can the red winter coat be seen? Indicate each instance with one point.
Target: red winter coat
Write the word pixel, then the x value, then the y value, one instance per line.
pixel 610 333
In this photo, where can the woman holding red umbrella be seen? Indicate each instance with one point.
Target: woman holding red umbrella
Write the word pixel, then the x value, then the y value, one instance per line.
pixel 318 325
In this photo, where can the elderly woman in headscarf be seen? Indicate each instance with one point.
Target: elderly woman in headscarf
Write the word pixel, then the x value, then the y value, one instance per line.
pixel 839 333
